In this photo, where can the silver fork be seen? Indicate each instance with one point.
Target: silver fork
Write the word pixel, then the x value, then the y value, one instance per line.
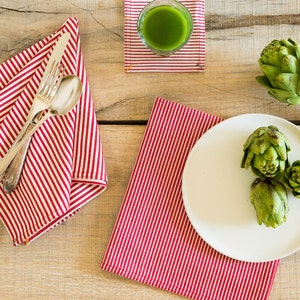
pixel 44 95
pixel 41 102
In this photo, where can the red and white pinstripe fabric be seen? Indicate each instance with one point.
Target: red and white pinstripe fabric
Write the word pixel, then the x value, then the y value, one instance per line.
pixel 138 58
pixel 65 165
pixel 153 241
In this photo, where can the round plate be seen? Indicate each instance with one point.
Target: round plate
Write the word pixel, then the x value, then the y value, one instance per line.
pixel 216 192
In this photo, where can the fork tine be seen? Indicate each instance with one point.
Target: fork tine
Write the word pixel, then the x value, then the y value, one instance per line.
pixel 50 80
pixel 57 83
pixel 53 83
pixel 45 84
pixel 49 88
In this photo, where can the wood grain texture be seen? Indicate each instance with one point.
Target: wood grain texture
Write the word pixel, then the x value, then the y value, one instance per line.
pixel 236 33
pixel 64 263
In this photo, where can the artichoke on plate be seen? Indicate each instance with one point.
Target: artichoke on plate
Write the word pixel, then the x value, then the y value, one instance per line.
pixel 270 200
pixel 279 62
pixel 293 178
pixel 266 152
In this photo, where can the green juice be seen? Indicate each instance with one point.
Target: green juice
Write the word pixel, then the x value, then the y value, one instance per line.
pixel 165 28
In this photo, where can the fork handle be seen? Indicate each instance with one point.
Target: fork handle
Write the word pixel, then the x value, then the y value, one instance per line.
pixel 34 110
pixel 13 151
pixel 15 169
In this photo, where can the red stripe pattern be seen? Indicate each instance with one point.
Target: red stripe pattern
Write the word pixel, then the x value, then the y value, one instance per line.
pixel 65 166
pixel 138 58
pixel 153 241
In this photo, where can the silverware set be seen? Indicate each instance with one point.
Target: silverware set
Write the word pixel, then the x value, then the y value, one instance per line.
pixel 56 95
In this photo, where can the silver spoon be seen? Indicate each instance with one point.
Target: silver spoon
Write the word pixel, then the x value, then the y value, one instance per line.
pixel 67 96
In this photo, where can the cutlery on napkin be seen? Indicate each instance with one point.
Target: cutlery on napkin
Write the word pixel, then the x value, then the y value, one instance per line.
pixel 42 99
pixel 153 241
pixel 60 174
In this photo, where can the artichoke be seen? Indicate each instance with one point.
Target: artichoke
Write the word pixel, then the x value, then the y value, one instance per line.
pixel 270 200
pixel 293 178
pixel 279 61
pixel 266 152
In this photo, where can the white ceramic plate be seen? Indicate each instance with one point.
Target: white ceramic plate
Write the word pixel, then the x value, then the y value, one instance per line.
pixel 216 192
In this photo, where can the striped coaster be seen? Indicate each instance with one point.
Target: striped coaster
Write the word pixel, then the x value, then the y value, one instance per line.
pixel 65 166
pixel 138 58
pixel 153 241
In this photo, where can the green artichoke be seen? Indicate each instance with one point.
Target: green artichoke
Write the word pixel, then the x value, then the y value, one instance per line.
pixel 279 61
pixel 266 152
pixel 293 178
pixel 270 200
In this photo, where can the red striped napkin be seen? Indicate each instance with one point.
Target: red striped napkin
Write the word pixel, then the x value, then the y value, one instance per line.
pixel 65 166
pixel 191 58
pixel 153 241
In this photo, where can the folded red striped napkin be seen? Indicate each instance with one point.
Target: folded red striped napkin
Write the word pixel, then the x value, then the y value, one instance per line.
pixel 65 166
pixel 191 58
pixel 153 241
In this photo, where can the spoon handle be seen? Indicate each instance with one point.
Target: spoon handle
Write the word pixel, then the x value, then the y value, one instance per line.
pixel 15 169
pixel 12 152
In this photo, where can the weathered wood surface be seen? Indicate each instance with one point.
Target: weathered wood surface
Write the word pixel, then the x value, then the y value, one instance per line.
pixel 64 263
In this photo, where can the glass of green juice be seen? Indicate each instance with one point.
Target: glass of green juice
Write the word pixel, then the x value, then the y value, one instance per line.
pixel 165 26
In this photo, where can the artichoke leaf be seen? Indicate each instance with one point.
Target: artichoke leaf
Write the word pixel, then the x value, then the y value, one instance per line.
pixel 296 164
pixel 288 82
pixel 270 154
pixel 282 167
pixel 271 72
pixel 293 100
pixel 273 136
pixel 247 158
pixel 290 45
pixel 256 133
pixel 274 59
pixel 282 152
pixel 264 81
pixel 278 139
pixel 281 95
pixel 259 145
pixel 297 51
pixel 284 51
pixel 290 64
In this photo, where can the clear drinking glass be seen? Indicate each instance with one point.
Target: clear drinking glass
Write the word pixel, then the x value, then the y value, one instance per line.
pixel 165 26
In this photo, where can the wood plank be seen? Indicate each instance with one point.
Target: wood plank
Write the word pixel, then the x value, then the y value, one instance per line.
pixel 236 33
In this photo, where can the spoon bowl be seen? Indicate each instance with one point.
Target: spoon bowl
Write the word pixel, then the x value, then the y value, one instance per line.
pixel 67 95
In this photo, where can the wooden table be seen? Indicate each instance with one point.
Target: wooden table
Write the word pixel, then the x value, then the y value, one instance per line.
pixel 64 263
